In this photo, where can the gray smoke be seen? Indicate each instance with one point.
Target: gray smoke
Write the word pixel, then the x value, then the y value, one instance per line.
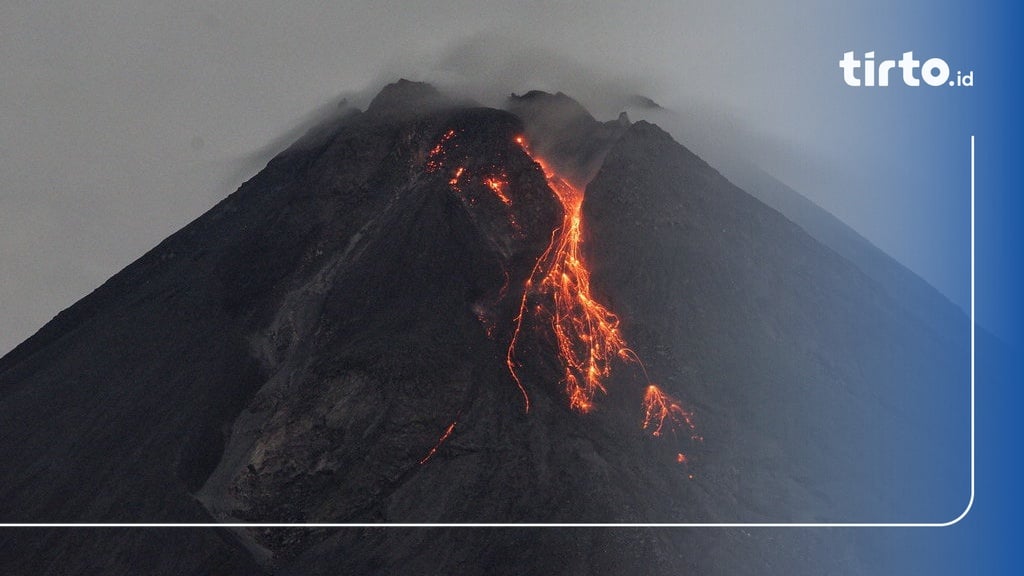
pixel 123 121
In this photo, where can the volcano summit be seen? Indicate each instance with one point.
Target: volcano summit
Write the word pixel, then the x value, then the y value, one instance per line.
pixel 436 312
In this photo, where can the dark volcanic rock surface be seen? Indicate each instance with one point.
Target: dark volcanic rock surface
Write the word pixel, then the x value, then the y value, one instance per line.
pixel 565 134
pixel 812 382
pixel 295 354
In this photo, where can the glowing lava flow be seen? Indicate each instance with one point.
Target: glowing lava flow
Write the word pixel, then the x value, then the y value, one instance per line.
pixel 586 332
pixel 447 432
pixel 497 184
pixel 660 408
pixel 558 292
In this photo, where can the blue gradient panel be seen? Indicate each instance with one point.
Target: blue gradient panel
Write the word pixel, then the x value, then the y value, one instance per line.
pixel 984 38
pixel 903 179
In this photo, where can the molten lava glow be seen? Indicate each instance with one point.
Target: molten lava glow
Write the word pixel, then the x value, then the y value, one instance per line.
pixel 454 182
pixel 448 432
pixel 433 158
pixel 496 181
pixel 498 185
pixel 660 410
pixel 558 293
pixel 586 333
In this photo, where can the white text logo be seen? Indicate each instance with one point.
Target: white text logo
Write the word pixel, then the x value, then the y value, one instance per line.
pixel 933 71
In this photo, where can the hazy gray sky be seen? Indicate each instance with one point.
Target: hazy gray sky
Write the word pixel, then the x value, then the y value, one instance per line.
pixel 122 120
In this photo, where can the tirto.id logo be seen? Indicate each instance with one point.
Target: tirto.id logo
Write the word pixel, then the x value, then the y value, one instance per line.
pixel 933 71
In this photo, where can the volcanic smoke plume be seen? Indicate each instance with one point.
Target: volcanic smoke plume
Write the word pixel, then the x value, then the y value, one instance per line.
pixel 432 311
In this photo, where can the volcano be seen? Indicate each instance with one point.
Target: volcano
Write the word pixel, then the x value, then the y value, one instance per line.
pixel 432 311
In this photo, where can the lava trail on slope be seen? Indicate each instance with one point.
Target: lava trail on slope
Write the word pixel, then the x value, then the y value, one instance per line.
pixel 586 332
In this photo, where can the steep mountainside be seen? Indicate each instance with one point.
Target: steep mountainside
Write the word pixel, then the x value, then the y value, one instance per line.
pixel 370 330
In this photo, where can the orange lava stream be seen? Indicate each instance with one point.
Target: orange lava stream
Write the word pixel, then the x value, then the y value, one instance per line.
pixel 661 409
pixel 498 184
pixel 448 432
pixel 586 332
